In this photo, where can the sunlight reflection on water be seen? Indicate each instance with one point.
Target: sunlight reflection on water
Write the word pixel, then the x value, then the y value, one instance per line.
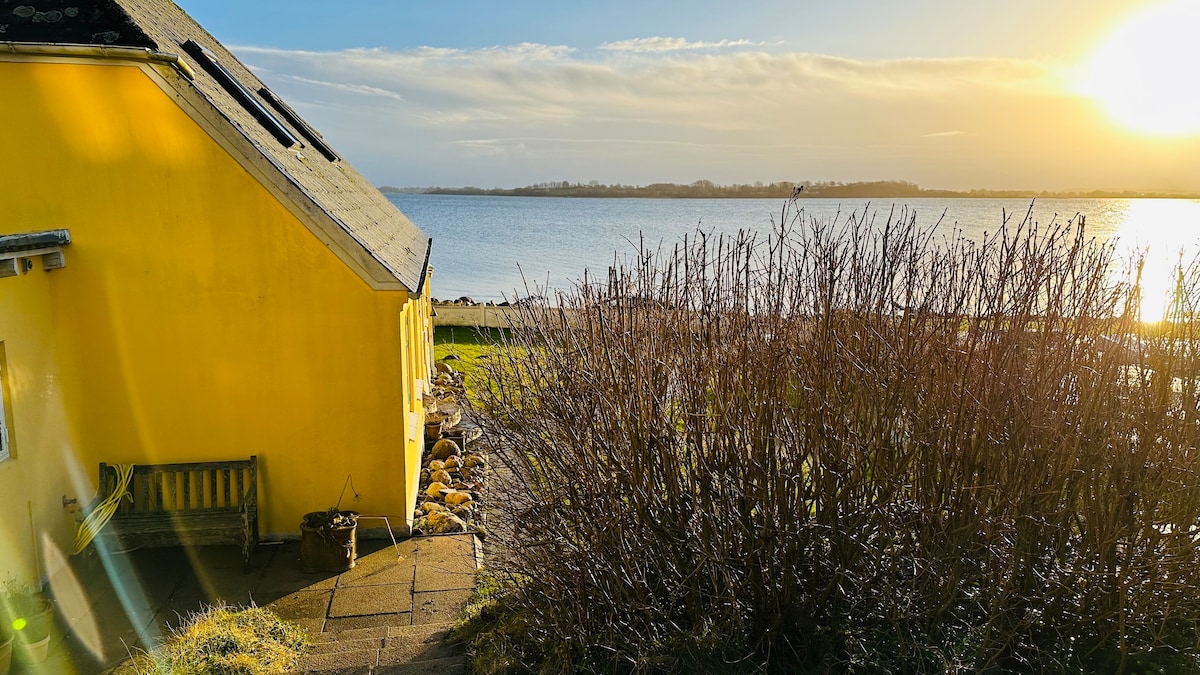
pixel 479 242
pixel 1166 232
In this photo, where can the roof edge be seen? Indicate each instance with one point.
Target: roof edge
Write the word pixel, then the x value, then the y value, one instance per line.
pixel 424 268
pixel 97 51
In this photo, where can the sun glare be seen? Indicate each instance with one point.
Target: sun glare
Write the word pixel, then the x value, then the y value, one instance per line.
pixel 1167 233
pixel 1143 73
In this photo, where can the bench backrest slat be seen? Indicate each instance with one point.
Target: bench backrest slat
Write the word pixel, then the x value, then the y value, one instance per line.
pixel 155 488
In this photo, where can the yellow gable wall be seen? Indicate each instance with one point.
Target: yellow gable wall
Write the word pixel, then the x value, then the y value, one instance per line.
pixel 197 318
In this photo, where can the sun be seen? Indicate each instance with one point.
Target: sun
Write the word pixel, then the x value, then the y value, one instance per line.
pixel 1144 75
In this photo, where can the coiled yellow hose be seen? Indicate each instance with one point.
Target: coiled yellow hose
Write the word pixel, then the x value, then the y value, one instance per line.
pixel 99 517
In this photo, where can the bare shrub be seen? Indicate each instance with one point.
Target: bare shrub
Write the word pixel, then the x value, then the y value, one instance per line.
pixel 854 447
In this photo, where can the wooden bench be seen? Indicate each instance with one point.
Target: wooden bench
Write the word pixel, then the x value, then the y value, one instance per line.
pixel 185 504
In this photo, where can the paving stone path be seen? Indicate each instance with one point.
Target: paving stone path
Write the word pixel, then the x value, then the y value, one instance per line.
pixel 391 613
pixel 388 615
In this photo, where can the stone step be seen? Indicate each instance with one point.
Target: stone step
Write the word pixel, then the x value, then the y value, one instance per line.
pixel 423 642
pixel 360 661
pixel 444 661
pixel 340 646
pixel 453 665
pixel 372 633
pixel 382 649
pixel 421 631
pixel 405 651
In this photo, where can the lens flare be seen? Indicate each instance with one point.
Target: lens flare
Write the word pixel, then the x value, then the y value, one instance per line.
pixel 1142 74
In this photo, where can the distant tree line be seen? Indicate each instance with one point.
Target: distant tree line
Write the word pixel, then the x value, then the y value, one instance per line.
pixel 706 189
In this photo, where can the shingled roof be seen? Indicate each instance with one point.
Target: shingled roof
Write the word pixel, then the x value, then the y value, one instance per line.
pixel 300 154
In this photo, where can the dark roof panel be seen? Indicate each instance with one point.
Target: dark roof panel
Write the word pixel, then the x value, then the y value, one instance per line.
pixel 365 214
pixel 84 22
pixel 31 241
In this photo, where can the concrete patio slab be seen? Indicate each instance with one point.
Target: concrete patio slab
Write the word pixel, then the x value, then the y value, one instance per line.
pixel 436 580
pixel 447 554
pixel 368 600
pixel 382 567
pixel 302 605
pixel 439 606
pixel 339 624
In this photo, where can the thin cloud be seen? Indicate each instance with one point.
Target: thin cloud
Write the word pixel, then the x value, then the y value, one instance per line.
pixel 657 44
pixel 351 88
pixel 746 113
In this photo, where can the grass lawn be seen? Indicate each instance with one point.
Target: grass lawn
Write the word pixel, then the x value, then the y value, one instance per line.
pixel 471 345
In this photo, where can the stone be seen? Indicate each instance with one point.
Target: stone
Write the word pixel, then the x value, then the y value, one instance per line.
pixel 424 475
pixel 441 522
pixel 440 476
pixel 435 489
pixel 458 498
pixel 444 367
pixel 452 462
pixel 444 448
pixel 465 473
pixel 463 512
pixel 431 507
pixel 451 357
pixel 473 459
pixel 435 465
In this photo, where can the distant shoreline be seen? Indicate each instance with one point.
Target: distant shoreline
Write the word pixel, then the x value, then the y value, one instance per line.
pixel 824 190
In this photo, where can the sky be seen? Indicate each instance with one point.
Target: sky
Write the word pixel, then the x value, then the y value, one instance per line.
pixel 950 94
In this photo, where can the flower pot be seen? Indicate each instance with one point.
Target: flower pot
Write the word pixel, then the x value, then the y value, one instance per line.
pixel 27 617
pixel 328 547
pixel 34 652
pixel 433 429
pixel 6 653
pixel 37 625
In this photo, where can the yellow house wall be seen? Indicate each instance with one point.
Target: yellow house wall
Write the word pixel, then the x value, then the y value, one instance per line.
pixel 32 481
pixel 197 318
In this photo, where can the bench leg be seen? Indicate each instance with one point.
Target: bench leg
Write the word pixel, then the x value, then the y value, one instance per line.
pixel 247 544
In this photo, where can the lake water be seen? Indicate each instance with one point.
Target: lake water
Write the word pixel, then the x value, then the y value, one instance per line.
pixel 483 245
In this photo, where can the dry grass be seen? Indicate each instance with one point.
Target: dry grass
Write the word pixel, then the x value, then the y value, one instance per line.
pixel 854 447
pixel 225 640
